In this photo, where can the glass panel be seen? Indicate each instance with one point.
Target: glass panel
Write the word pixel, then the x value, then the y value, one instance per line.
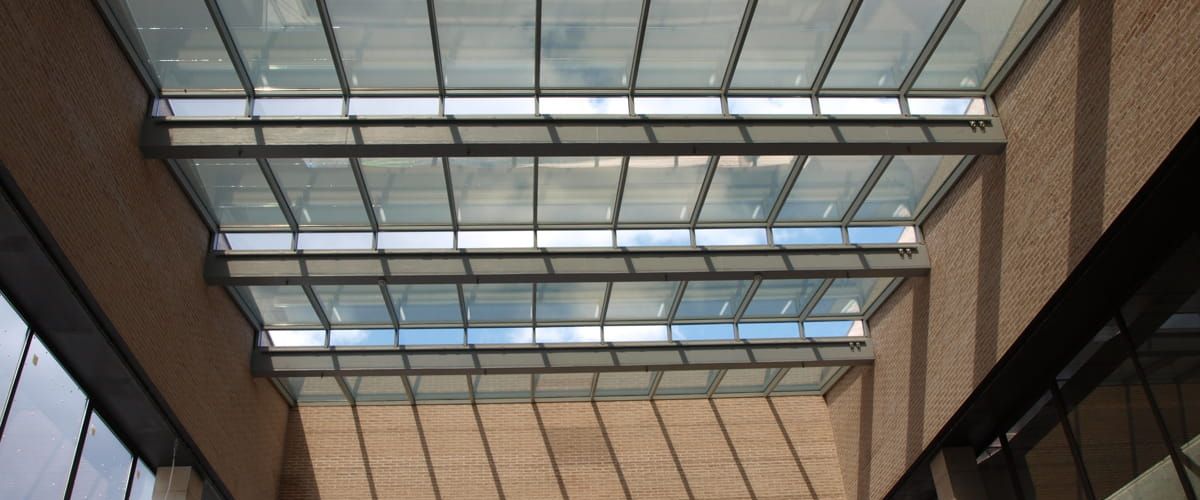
pixel 563 334
pixel 428 304
pixel 906 186
pixel 781 298
pixel 353 304
pixel 677 106
pixel 805 379
pixel 957 106
pixel 489 106
pixel 205 107
pixel 583 105
pixel 182 45
pixel 624 384
pixel 255 241
pixel 654 238
pixel 281 305
pixel 644 300
pixel 722 331
pixel 747 380
pixel 563 385
pixel 362 337
pixel 384 44
pixel 415 240
pixel 636 333
pixel 588 44
pixel 432 336
pixel 688 42
pixel 807 235
pixel 850 296
pixel 744 188
pixel 859 105
pixel 377 388
pixel 236 192
pixel 819 329
pixel 282 43
pixel 407 191
pixel 770 105
pixel 12 342
pixel 689 382
pixel 1043 460
pixel 427 387
pixel 884 42
pixel 296 338
pixel 662 188
pixel 500 335
pixel 574 238
pixel 502 386
pixel 142 487
pixel 394 106
pixel 711 299
pixel 577 190
pixel 42 429
pixel 570 301
pixel 886 234
pixel 103 470
pixel 292 106
pixel 499 302
pixel 334 241
pixel 826 187
pixel 730 237
pixel 495 239
pixel 321 191
pixel 768 330
pixel 486 43
pixel 787 43
pixel 493 190
pixel 314 389
pixel 978 42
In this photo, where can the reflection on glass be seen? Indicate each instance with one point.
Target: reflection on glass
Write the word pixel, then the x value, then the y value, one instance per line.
pixel 685 382
pixel 42 429
pixel 662 188
pixel 235 191
pixel 688 42
pixel 407 191
pixel 850 296
pixel 493 190
pixel 747 380
pixel 980 39
pixel 314 389
pixel 498 302
pixel 384 44
pixel 182 45
pixel 711 299
pixel 486 43
pixel 826 187
pixel 781 298
pixel 426 304
pixel 588 44
pixel 884 42
pixel 502 386
pixel 569 301
pixel 142 487
pixel 563 385
pixel 744 188
pixel 282 43
pixel 104 463
pixel 787 43
pixel 377 388
pixel 624 383
pixel 641 300
pixel 321 191
pixel 439 387
pixel 1041 454
pixel 906 187
pixel 353 304
pixel 281 305
pixel 12 342
pixel 577 190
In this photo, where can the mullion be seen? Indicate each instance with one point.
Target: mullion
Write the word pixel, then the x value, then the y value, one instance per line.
pixel 639 42
pixel 770 388
pixel 931 45
pixel 865 191
pixel 450 199
pixel 784 192
pixel 736 53
pixel 834 47
pixel 812 303
pixel 281 200
pixel 619 195
pixel 345 388
pixel 391 309
pixel 741 309
pixel 437 57
pixel 702 195
pixel 235 55
pixel 712 387
pixel 316 305
pixel 368 204
pixel 675 307
pixel 336 53
pixel 537 78
pixel 12 389
pixel 129 479
pixel 89 413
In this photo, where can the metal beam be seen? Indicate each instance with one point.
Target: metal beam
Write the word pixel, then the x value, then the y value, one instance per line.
pixel 541 266
pixel 285 362
pixel 170 137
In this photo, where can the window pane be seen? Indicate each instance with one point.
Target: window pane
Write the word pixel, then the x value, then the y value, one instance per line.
pixel 645 300
pixel 499 302
pixel 103 465
pixel 495 239
pixel 432 336
pixel 730 237
pixel 977 43
pixel 688 42
pixel 681 382
pixel 443 387
pixel 493 190
pixel 865 235
pixel 563 385
pixel 236 192
pixel 426 304
pixel 588 44
pixel 321 191
pixel 807 235
pixel 711 299
pixel 662 188
pixel 486 43
pixel 805 379
pixel 281 305
pixel 769 330
pixel 850 296
pixel 182 45
pixel 720 331
pixel 744 188
pixel 282 43
pixel 770 106
pixel 423 240
pixel 321 240
pixel 384 44
pixel 353 304
pixel 12 342
pixel 360 338
pixel 489 106
pixel 522 335
pixel 654 238
pixel 781 298
pixel 142 487
pixel 577 190
pixel 624 384
pixel 502 386
pixel 569 301
pixel 39 439
pixel 636 333
pixel 583 105
pixel 575 238
pixel 884 41
pixel 906 186
pixel 314 389
pixel 826 187
pixel 295 338
pixel 377 388
pixel 1171 358
pixel 787 43
pixel 748 380
pixel 407 191
pixel 564 334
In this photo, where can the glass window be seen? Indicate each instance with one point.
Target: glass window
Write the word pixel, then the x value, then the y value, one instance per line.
pixel 624 383
pixel 493 190
pixel 718 331
pixel 641 300
pixel 654 238
pixel 295 338
pixel 884 42
pixel 575 238
pixel 103 465
pixel 570 301
pixel 859 105
pixel 499 302
pixel 906 187
pixel 321 191
pixel 688 42
pixel 807 235
pixel 744 188
pixel 142 487
pixel 362 337
pixel 495 239
pixel 321 240
pixel 884 234
pixel 826 187
pixel 583 105
pixel 731 236
pixel 502 386
pixel 394 106
pixel 410 240
pixel 769 330
pixel 486 43
pixel 522 335
pixel 45 415
pixel 746 380
pixel 685 382
pixel 564 334
pixel 353 304
pixel 182 45
pixel 636 333
pixel 770 105
pixel 954 106
pixel 577 190
pixel 377 388
pixel 12 342
pixel 236 192
pixel 384 45
pixel 255 241
pixel 407 191
pixel 662 189
pixel 810 379
pixel 850 296
pixel 489 106
pixel 314 389
pixel 439 387
pixel 787 43
pixel 282 42
pixel 426 304
pixel 781 298
pixel 563 385
pixel 677 105
pixel 432 336
pixel 711 299
pixel 819 329
pixel 202 107
pixel 1043 460
pixel 298 106
pixel 588 44
pixel 978 42
pixel 281 305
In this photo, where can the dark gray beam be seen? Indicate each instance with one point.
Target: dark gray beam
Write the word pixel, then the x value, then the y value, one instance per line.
pixel 548 136
pixel 281 362
pixel 540 266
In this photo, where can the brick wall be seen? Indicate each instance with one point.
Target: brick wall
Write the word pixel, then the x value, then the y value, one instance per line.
pixel 762 448
pixel 1095 106
pixel 70 115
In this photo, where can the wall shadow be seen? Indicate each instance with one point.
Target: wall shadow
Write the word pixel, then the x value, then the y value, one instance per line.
pixel 487 452
pixel 990 265
pixel 787 439
pixel 429 469
pixel 612 452
pixel 1094 80
pixel 737 460
pixel 662 426
pixel 558 477
pixel 866 422
pixel 918 357
pixel 362 450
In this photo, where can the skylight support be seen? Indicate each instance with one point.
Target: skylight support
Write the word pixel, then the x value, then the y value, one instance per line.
pixel 812 303
pixel 437 59
pixel 235 56
pixel 637 52
pixel 336 54
pixel 280 199
pixel 716 381
pixel 1044 17
pixel 931 45
pixel 368 205
pixel 838 39
pixel 735 54
pixel 863 193
pixel 741 309
pixel 784 193
pixel 705 185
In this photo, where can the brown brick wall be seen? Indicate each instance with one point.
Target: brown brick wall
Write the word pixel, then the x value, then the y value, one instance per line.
pixel 1090 112
pixel 762 448
pixel 70 114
